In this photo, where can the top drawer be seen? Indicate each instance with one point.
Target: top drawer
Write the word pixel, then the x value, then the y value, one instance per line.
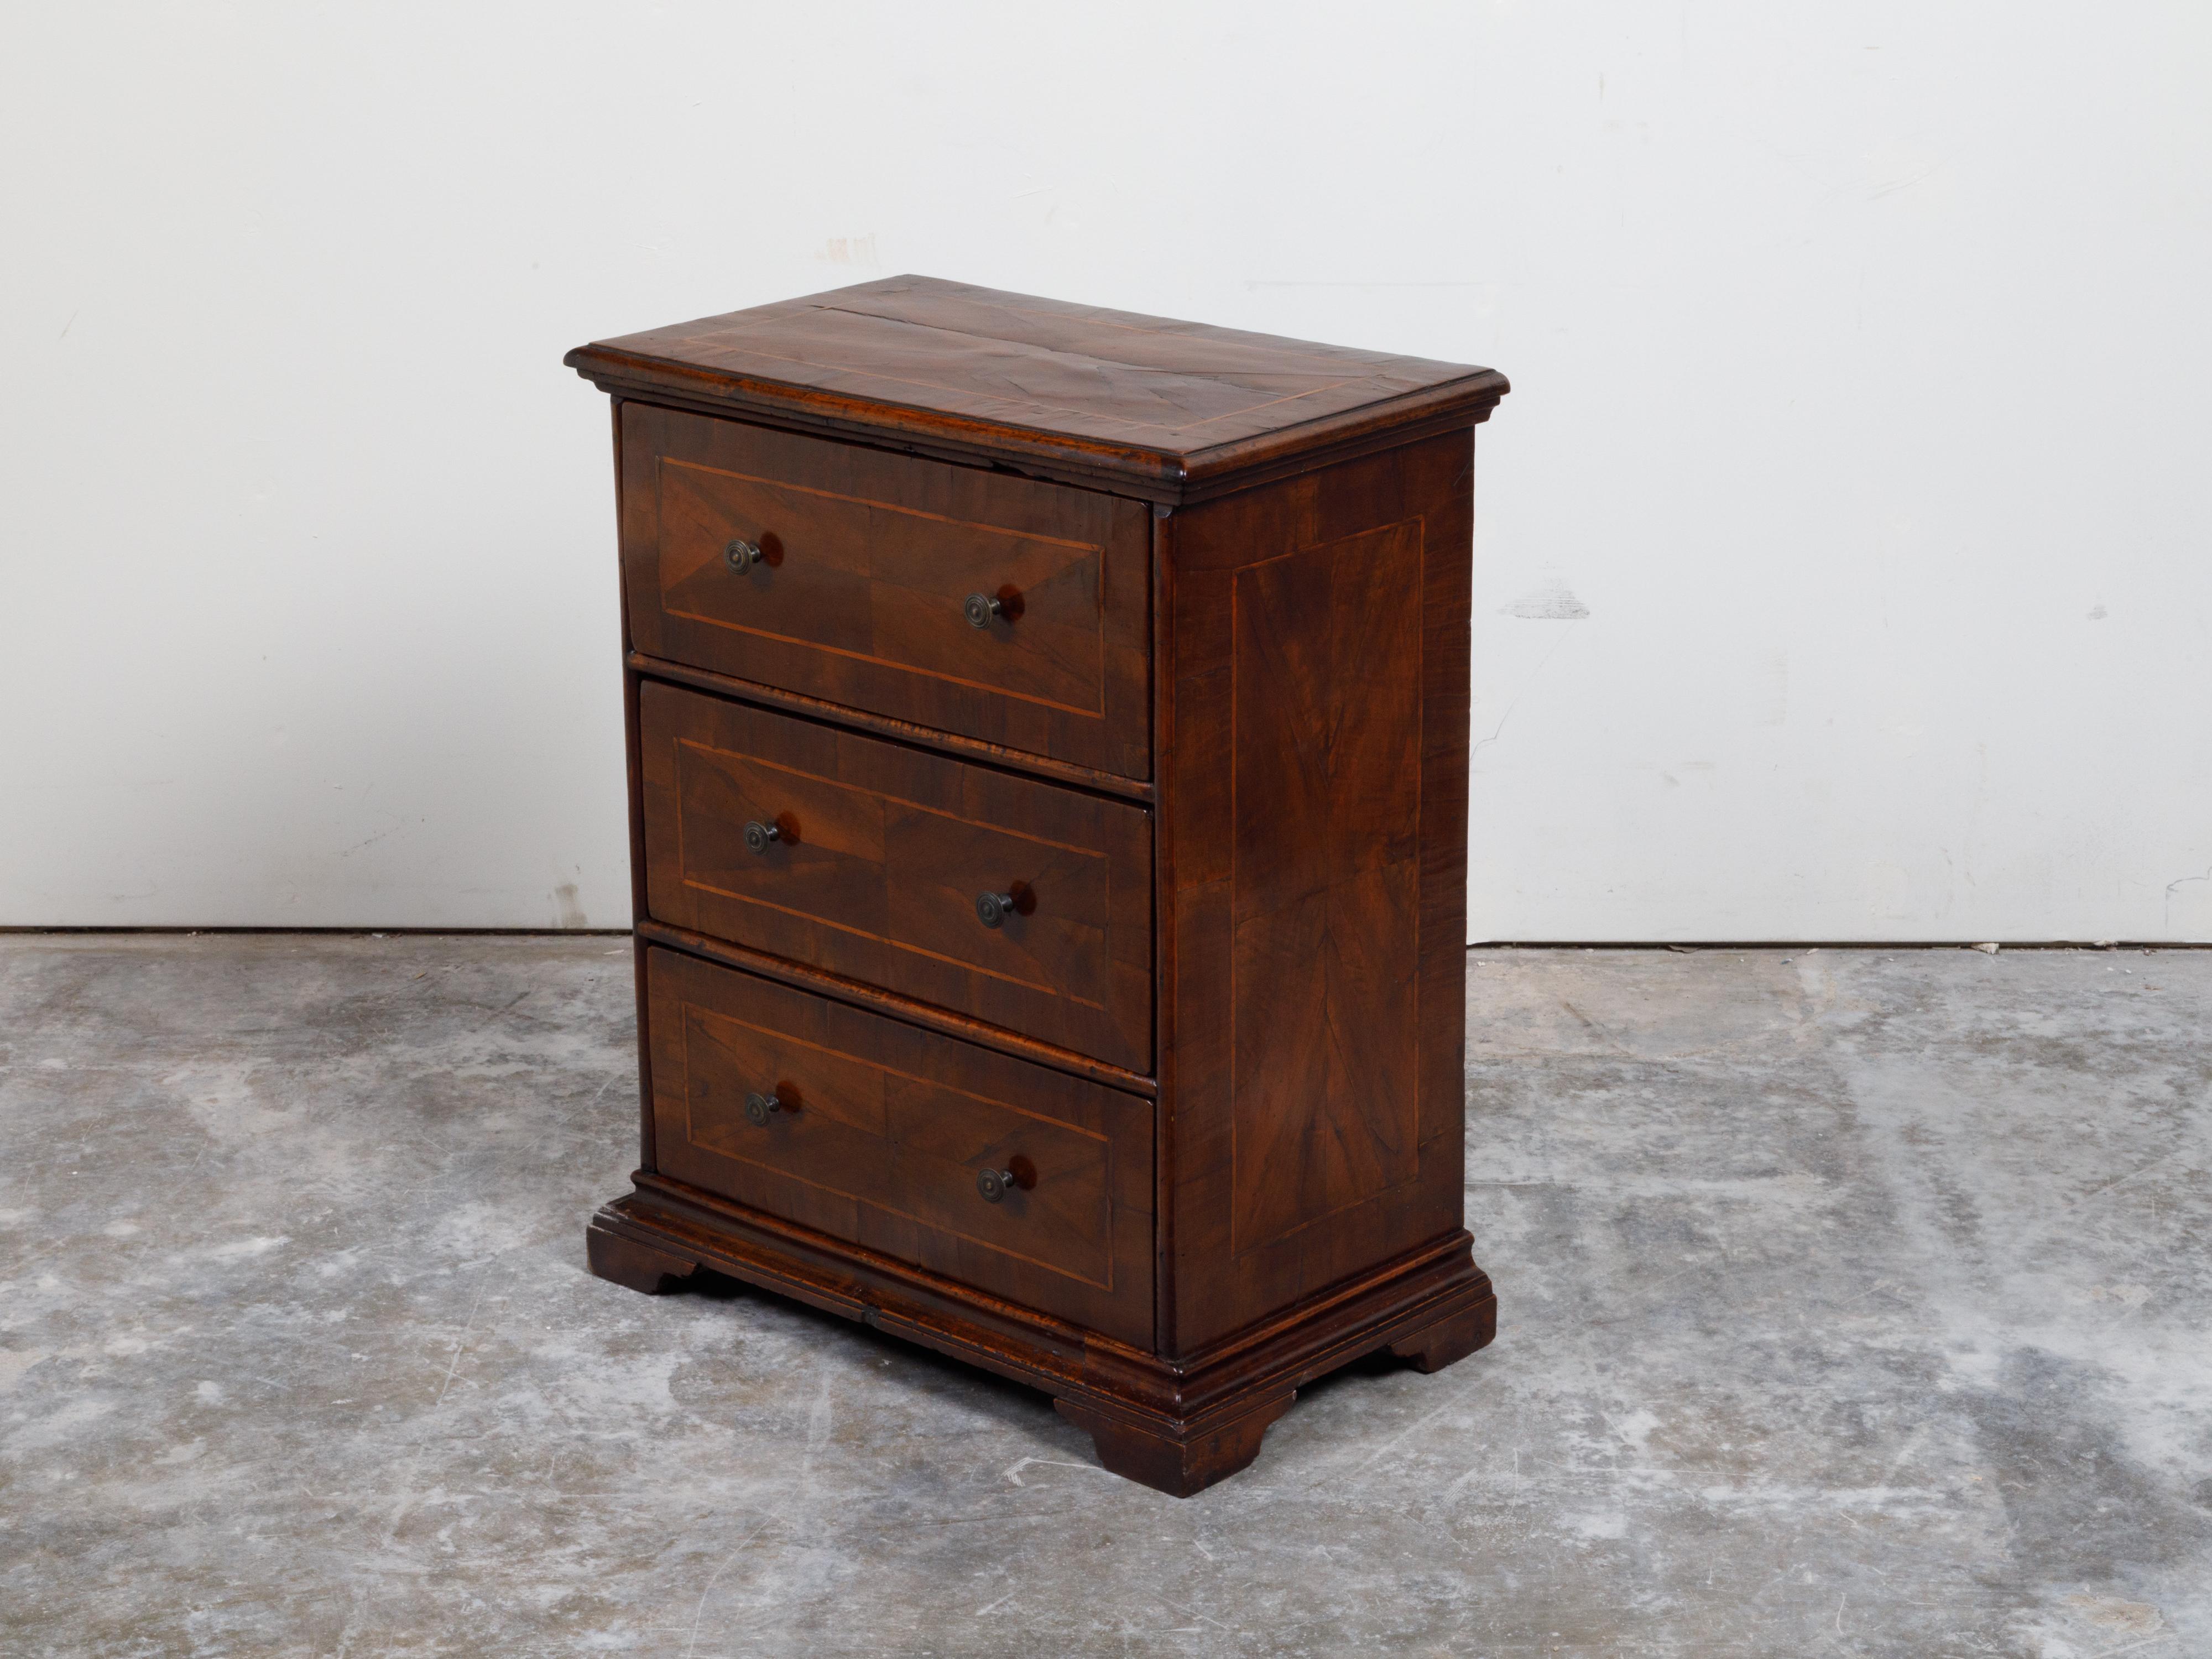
pixel 866 564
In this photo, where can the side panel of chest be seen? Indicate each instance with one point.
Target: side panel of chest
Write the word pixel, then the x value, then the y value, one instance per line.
pixel 1313 822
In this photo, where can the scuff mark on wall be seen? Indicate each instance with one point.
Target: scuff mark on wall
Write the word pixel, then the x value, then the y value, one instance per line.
pixel 1549 600
pixel 2172 887
pixel 1536 673
pixel 392 829
pixel 567 912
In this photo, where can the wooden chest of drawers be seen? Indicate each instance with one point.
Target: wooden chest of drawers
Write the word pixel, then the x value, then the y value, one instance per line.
pixel 1049 750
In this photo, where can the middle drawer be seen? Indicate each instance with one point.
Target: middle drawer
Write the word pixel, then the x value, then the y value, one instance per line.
pixel 1019 902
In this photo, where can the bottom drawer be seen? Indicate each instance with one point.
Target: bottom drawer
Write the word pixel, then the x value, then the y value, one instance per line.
pixel 879 1133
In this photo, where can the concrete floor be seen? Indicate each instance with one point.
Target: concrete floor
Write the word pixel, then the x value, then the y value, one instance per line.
pixel 1853 1302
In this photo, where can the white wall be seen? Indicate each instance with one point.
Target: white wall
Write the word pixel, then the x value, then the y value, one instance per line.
pixel 1861 353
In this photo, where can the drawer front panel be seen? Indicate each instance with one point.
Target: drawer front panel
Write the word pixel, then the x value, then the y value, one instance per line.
pixel 882 1130
pixel 880 855
pixel 867 561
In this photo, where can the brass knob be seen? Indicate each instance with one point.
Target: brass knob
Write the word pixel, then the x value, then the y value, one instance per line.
pixel 759 834
pixel 981 609
pixel 742 556
pixel 994 1184
pixel 992 908
pixel 760 1107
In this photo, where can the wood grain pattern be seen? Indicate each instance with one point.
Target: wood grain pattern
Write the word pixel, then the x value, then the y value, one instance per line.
pixel 885 1130
pixel 1326 791
pixel 1313 871
pixel 870 558
pixel 1143 406
pixel 882 851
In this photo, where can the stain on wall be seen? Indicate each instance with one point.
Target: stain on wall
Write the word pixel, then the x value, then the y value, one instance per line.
pixel 567 912
pixel 1549 600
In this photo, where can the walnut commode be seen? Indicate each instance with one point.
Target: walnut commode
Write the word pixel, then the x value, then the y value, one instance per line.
pixel 1048 767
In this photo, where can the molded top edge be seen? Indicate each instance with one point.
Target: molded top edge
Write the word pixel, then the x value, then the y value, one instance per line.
pixel 1146 406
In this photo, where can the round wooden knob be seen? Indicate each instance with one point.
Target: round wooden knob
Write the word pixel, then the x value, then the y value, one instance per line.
pixel 981 609
pixel 759 834
pixel 992 908
pixel 742 556
pixel 760 1107
pixel 994 1184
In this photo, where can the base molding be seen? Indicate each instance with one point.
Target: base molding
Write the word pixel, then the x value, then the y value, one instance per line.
pixel 622 1259
pixel 1176 1425
pixel 1179 1463
pixel 1450 1338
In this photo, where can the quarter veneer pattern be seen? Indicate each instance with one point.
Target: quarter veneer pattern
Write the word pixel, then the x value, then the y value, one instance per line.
pixel 1048 741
